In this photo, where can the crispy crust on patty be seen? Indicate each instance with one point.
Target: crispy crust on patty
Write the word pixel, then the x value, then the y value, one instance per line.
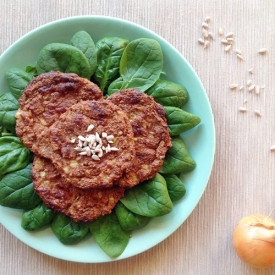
pixel 83 171
pixel 44 99
pixel 151 134
pixel 81 205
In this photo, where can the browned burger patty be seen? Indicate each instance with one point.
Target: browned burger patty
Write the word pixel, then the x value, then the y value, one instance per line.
pixel 151 134
pixel 84 171
pixel 81 205
pixel 44 99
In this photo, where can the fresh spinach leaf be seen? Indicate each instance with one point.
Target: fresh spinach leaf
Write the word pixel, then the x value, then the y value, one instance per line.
pixel 109 52
pixel 179 120
pixel 17 81
pixel 141 64
pixel 83 41
pixel 175 186
pixel 109 235
pixel 67 231
pixel 177 159
pixel 8 108
pixel 37 218
pixel 129 220
pixel 31 70
pixel 64 58
pixel 149 198
pixel 16 190
pixel 168 93
pixel 13 155
pixel 116 86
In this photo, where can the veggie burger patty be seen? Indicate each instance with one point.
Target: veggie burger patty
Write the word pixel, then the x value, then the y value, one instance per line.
pixel 79 204
pixel 151 134
pixel 44 99
pixel 79 167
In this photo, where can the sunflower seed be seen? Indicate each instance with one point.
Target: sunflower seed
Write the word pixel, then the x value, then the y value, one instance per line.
pixel 272 148
pixel 97 137
pixel 89 152
pixel 206 44
pixel 204 33
pixel 104 135
pixel 257 90
pixel 207 19
pixel 95 157
pixel 84 153
pixel 257 113
pixel 233 86
pixel 81 138
pixel 248 83
pixel 238 51
pixel 240 56
pixel 90 127
pixel 80 143
pixel 220 31
pixel 230 34
pixel 114 149
pixel 73 140
pixel 225 42
pixel 205 25
pixel 227 48
pixel 211 35
pixel 243 109
pixel 251 88
pixel 110 137
pixel 241 88
pixel 250 71
pixel 263 51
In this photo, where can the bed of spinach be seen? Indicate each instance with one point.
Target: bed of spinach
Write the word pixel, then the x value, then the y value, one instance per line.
pixel 114 63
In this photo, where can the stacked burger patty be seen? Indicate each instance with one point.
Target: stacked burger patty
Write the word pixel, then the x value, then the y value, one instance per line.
pixel 88 149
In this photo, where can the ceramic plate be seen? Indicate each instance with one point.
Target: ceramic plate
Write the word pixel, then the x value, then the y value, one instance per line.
pixel 200 140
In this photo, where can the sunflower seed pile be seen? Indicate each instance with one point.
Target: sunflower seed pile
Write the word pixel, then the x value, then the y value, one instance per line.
pixel 92 144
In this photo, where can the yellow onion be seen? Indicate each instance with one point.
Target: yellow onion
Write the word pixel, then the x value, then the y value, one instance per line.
pixel 254 240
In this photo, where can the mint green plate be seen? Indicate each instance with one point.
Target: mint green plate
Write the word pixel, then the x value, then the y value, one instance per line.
pixel 200 140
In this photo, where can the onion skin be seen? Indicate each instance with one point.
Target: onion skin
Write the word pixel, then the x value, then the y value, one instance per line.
pixel 254 240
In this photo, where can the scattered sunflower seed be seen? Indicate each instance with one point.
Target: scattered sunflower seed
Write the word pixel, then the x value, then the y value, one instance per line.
pixel 233 86
pixel 251 88
pixel 204 33
pixel 73 140
pixel 272 148
pixel 227 48
pixel 248 83
pixel 257 113
pixel 211 35
pixel 205 25
pixel 250 71
pixel 206 44
pixel 225 42
pixel 243 109
pixel 257 90
pixel 207 19
pixel 263 51
pixel 241 88
pixel 240 56
pixel 201 41
pixel 220 31
pixel 238 51
pixel 230 34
